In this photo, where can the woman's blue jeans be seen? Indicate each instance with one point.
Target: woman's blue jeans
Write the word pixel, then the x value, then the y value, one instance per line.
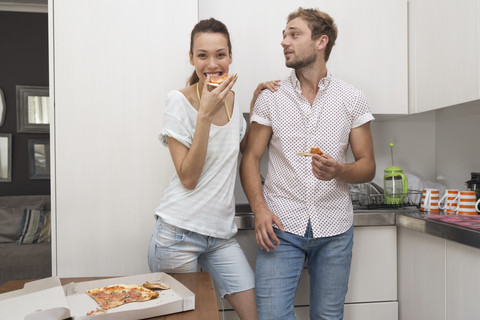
pixel 278 273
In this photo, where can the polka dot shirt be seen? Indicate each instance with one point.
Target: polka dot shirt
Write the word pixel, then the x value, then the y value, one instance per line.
pixel 291 190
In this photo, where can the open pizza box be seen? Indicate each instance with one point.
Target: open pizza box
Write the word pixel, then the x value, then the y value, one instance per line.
pixel 47 299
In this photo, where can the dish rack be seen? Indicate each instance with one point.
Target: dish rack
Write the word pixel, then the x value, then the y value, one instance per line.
pixel 386 201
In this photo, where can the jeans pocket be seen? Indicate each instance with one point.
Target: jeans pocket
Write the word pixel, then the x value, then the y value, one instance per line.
pixel 168 235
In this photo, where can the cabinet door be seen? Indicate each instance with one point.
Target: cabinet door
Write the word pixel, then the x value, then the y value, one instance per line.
pixel 373 275
pixel 444 53
pixel 463 281
pixel 370 52
pixel 421 276
pixel 367 311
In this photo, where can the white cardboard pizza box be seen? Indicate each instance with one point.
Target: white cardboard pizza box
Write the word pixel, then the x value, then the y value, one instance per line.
pixel 176 299
pixel 47 299
pixel 41 299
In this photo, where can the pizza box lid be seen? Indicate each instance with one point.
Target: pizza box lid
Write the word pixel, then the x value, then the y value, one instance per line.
pixel 47 299
pixel 41 299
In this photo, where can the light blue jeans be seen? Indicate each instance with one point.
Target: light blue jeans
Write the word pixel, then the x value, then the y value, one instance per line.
pixel 177 250
pixel 278 273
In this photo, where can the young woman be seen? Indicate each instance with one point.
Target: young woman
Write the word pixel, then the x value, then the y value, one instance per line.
pixel 203 128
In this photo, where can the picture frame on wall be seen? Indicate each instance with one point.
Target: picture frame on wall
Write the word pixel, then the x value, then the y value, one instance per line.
pixel 33 109
pixel 39 158
pixel 3 107
pixel 5 157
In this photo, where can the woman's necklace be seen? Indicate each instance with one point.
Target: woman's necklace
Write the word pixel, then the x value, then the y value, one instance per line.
pixel 226 107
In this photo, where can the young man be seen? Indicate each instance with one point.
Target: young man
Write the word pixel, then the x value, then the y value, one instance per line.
pixel 304 211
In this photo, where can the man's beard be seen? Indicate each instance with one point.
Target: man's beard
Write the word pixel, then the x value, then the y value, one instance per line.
pixel 302 62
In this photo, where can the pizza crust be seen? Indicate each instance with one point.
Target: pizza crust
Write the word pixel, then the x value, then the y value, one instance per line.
pixel 156 286
pixel 313 151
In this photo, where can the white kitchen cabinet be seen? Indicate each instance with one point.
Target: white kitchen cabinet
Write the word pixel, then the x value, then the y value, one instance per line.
pixel 368 311
pixel 373 277
pixel 444 53
pixel 421 276
pixel 463 281
pixel 370 52
pixel 438 278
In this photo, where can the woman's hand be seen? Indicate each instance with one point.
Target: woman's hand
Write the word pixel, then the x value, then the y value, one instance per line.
pixel 270 85
pixel 213 97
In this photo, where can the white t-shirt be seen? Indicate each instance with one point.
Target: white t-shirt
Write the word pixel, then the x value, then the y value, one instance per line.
pixel 291 190
pixel 209 209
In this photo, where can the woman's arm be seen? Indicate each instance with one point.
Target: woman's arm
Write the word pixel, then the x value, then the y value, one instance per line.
pixel 189 162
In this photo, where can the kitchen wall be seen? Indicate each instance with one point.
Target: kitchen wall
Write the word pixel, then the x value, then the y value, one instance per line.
pixel 457 143
pixel 439 146
pixel 414 145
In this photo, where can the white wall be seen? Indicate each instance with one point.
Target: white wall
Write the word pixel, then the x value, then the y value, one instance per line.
pixel 113 62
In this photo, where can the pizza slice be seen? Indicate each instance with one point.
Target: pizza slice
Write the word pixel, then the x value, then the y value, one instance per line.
pixel 313 150
pixel 217 80
pixel 156 286
pixel 116 295
pixel 316 150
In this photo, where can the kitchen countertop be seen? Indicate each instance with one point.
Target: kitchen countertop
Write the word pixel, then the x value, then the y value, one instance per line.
pixel 422 223
pixel 408 217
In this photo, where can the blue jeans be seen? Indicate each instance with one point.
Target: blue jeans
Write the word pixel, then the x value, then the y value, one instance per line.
pixel 278 273
pixel 177 250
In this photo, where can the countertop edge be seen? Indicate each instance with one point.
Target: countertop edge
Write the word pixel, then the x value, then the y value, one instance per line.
pixel 409 218
pixel 440 229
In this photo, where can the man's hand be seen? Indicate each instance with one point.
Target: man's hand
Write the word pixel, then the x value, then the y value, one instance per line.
pixel 264 233
pixel 324 167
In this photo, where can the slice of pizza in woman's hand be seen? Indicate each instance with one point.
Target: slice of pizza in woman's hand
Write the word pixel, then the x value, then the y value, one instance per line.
pixel 116 295
pixel 313 150
pixel 217 80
